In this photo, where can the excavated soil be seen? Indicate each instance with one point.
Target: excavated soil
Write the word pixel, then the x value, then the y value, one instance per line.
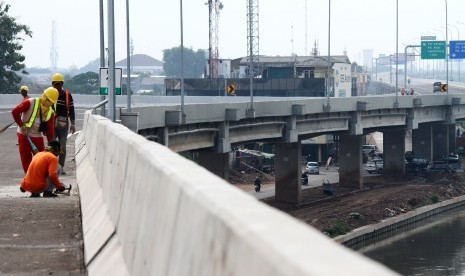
pixel 381 198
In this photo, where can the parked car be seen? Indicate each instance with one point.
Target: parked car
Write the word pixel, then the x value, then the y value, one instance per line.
pixel 416 164
pixel 375 166
pixel 369 148
pixel 437 87
pixel 441 166
pixel 312 168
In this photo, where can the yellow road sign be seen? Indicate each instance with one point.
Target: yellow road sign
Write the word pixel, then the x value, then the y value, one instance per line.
pixel 444 87
pixel 231 89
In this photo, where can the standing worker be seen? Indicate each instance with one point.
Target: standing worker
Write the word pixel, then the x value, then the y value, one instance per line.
pixel 34 116
pixel 42 174
pixel 64 115
pixel 24 90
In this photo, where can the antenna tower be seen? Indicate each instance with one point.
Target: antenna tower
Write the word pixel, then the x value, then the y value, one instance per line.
pixel 54 47
pixel 214 7
pixel 252 33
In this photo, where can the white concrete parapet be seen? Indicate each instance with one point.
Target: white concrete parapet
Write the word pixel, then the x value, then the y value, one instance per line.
pixel 148 211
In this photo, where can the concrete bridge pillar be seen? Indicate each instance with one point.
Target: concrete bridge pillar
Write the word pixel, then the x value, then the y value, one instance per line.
pixel 443 140
pixel 287 172
pixel 422 141
pixel 394 152
pixel 217 163
pixel 350 161
pixel 452 135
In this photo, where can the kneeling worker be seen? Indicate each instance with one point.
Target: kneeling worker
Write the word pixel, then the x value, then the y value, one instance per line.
pixel 42 174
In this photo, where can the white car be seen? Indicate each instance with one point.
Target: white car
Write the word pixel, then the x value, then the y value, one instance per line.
pixel 375 166
pixel 312 168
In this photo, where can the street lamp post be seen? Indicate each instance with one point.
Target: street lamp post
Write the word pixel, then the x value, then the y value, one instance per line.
pixel 328 107
pixel 183 113
pixel 128 60
pixel 458 38
pixel 445 37
pixel 102 49
pixel 396 104
pixel 452 38
pixel 447 54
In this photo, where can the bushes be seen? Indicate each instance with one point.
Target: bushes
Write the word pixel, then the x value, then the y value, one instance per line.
pixel 338 228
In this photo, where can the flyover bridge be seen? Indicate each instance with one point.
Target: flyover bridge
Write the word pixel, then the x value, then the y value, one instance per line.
pixel 212 127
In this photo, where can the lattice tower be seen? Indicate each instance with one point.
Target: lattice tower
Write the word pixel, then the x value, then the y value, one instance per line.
pixel 54 47
pixel 253 45
pixel 214 7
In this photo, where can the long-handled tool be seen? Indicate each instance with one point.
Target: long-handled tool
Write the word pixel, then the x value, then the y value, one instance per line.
pixel 6 127
pixel 33 147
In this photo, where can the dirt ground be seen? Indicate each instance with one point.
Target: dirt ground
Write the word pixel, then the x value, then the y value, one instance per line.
pixel 380 199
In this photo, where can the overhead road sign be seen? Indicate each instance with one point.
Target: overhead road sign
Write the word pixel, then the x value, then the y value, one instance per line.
pixel 428 37
pixel 457 49
pixel 386 60
pixel 104 81
pixel 400 57
pixel 433 50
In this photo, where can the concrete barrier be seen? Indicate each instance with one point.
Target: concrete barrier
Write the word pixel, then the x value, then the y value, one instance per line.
pixel 148 211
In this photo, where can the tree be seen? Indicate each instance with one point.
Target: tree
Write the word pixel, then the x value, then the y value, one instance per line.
pixel 194 62
pixel 86 83
pixel 11 60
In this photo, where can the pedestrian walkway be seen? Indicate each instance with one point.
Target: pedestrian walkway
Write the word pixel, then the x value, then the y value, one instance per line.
pixel 38 236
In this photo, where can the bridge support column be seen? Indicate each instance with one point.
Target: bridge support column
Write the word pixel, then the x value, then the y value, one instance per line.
pixel 350 161
pixel 442 144
pixel 217 163
pixel 452 135
pixel 287 172
pixel 394 152
pixel 422 141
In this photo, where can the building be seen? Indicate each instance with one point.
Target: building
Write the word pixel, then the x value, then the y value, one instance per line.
pixel 301 67
pixel 141 63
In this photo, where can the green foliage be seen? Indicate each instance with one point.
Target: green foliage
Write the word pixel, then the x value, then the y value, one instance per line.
pixel 11 60
pixel 338 228
pixel 434 198
pixel 194 62
pixel 93 66
pixel 85 83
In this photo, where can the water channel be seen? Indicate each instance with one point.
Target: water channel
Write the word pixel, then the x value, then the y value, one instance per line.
pixel 434 246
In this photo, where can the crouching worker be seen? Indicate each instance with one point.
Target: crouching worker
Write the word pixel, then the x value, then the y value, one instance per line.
pixel 42 174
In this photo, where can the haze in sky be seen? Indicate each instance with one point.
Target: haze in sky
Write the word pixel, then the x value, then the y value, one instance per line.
pixel 285 27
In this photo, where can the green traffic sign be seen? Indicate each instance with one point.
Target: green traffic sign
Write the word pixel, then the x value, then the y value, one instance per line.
pixel 433 50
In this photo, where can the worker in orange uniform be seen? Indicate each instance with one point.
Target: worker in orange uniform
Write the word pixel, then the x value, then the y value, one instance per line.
pixel 42 174
pixel 34 117
pixel 24 90
pixel 65 116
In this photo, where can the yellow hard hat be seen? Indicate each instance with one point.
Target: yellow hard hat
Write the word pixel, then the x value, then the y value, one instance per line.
pixel 24 87
pixel 58 77
pixel 51 94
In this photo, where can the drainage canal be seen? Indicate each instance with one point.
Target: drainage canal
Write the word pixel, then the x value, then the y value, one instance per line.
pixel 433 246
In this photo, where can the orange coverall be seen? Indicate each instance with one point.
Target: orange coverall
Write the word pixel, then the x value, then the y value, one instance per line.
pixel 44 164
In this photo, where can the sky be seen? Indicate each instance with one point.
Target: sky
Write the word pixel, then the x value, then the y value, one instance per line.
pixel 285 27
